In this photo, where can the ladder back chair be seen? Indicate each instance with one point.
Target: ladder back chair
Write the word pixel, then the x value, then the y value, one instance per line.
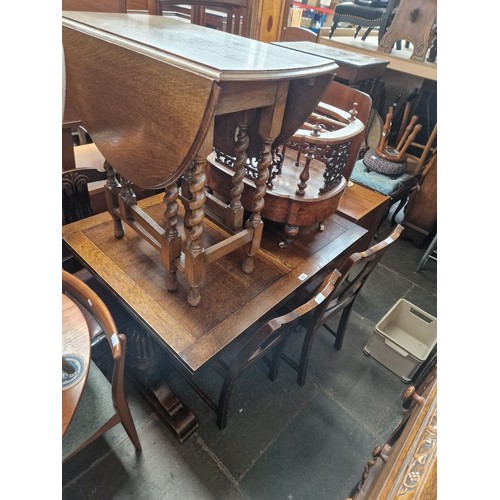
pixel 355 271
pixel 103 404
pixel 231 16
pixel 253 345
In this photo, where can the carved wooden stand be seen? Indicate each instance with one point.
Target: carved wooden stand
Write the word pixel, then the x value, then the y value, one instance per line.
pixel 414 24
pixel 144 356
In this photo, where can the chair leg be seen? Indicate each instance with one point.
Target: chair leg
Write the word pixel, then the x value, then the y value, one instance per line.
pixel 304 357
pixel 120 400
pixel 333 28
pixel 427 254
pixel 275 361
pixel 344 320
pixel 365 34
pixel 223 406
pixel 127 421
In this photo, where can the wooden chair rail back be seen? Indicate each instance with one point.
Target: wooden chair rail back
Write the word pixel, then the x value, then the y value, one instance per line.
pixel 270 338
pixel 87 298
pixel 354 272
pixel 85 428
pixel 235 19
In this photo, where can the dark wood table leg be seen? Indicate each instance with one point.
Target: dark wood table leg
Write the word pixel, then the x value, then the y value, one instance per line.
pixel 143 358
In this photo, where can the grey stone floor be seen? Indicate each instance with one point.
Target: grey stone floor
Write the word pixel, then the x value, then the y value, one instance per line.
pixel 282 441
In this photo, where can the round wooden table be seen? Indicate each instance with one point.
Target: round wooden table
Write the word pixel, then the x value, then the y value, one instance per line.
pixel 76 352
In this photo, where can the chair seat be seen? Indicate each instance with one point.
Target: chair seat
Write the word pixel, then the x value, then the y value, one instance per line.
pixel 383 184
pixel 94 410
pixel 359 12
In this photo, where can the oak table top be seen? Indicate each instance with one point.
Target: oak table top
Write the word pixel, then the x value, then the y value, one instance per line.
pixel 76 351
pixel 233 300
pixel 147 87
pixel 353 66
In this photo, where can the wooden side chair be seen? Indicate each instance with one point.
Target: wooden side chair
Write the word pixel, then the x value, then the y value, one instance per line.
pixel 364 14
pixel 231 16
pixel 252 346
pixel 76 203
pixel 398 187
pixel 355 271
pixel 298 34
pixel 103 404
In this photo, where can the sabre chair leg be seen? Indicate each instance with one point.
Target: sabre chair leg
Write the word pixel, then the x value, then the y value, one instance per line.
pixel 223 406
pixel 344 320
pixel 427 254
pixel 304 357
pixel 276 361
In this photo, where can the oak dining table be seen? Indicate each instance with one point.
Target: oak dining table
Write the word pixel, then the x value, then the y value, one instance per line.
pixel 234 301
pixel 75 358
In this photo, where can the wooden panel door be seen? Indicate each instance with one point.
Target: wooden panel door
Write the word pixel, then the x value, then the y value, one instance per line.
pixel 268 19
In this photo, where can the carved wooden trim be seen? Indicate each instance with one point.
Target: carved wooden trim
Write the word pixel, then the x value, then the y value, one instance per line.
pixel 420 466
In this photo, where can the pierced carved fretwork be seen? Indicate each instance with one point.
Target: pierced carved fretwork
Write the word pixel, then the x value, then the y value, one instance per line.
pixel 251 165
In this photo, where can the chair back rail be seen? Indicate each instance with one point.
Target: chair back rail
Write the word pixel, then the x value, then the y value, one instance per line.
pixel 118 412
pixel 269 338
pixel 235 19
pixel 355 271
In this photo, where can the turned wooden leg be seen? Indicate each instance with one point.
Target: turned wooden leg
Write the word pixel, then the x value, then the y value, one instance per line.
pixel 271 119
pixel 240 149
pixel 304 175
pixel 112 189
pixel 195 253
pixel 126 198
pixel 255 220
pixel 291 232
pixel 171 247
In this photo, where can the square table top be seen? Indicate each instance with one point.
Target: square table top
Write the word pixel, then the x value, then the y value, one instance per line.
pixel 231 301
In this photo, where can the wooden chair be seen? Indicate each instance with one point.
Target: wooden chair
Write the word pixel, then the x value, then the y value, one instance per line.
pixel 76 203
pixel 298 34
pixel 355 271
pixel 231 16
pixel 309 172
pixel 103 404
pixel 253 345
pixel 343 97
pixel 398 187
pixel 364 14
